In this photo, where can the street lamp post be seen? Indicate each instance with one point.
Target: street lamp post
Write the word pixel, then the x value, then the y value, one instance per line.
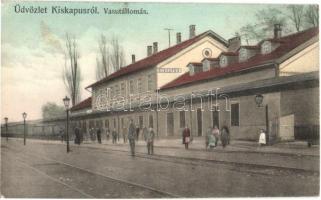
pixel 6 122
pixel 66 101
pixel 24 115
pixel 259 102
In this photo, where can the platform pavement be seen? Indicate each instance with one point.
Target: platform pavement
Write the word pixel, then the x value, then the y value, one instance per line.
pixel 292 155
pixel 198 144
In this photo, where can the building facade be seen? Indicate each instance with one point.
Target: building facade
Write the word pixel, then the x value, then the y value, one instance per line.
pixel 207 81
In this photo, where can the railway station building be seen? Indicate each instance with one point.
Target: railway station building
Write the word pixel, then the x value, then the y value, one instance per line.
pixel 208 81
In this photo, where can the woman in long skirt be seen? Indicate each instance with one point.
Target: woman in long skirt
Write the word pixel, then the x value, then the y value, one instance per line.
pixel 211 141
pixel 262 138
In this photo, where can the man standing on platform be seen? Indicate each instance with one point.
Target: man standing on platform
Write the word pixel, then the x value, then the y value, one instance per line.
pixel 132 137
pixel 99 135
pixel 150 141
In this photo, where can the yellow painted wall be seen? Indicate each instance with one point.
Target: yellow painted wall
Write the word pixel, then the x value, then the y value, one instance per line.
pixel 306 60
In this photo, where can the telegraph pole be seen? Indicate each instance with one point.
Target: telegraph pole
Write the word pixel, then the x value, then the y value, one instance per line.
pixel 169 35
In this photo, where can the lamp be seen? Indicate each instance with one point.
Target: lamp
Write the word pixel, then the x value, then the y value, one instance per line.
pixel 6 122
pixel 259 100
pixel 66 101
pixel 24 116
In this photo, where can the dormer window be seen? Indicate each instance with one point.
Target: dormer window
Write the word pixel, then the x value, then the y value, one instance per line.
pixel 266 47
pixel 194 68
pixel 223 61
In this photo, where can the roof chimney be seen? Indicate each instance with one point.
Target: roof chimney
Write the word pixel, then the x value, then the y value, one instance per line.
pixel 191 31
pixel 277 31
pixel 234 44
pixel 178 38
pixel 133 58
pixel 149 50
pixel 155 47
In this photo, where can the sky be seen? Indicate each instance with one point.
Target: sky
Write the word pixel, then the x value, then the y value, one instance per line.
pixel 33 46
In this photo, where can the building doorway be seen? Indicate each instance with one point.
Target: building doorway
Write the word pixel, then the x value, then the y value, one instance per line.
pixel 216 118
pixel 151 121
pixel 199 122
pixel 170 124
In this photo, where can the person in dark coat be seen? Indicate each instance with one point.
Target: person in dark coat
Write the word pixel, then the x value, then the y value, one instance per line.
pixel 77 136
pixel 62 134
pixel 132 137
pixel 99 135
pixel 227 134
pixel 186 136
pixel 137 132
pixel 118 136
pixel 224 136
pixel 144 133
pixel 114 136
pixel 81 136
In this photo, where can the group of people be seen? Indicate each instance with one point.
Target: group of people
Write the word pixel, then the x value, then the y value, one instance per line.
pixel 214 135
pixel 115 136
pixel 133 135
pixel 212 138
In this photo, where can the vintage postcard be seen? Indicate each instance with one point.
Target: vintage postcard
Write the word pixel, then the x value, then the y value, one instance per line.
pixel 159 100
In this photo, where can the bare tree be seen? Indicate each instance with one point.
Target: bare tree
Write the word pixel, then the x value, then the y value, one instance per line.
pixel 250 33
pixel 312 15
pixel 296 15
pixel 100 72
pixel 103 64
pixel 71 73
pixel 111 57
pixel 263 25
pixel 117 56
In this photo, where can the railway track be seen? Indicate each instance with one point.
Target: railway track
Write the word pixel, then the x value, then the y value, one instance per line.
pixel 21 157
pixel 54 158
